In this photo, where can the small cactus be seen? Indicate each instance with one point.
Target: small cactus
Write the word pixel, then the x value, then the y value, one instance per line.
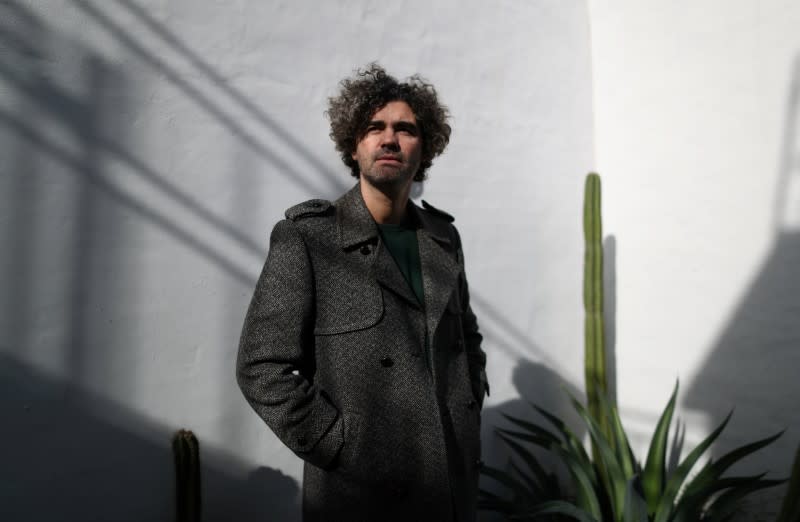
pixel 186 451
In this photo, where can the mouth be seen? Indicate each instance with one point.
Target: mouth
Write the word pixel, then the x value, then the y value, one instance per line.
pixel 391 159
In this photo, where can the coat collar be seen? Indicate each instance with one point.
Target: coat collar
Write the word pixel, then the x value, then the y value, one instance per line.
pixel 353 220
pixel 440 269
pixel 356 226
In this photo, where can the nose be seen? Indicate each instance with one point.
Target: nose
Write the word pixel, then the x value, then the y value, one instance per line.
pixel 389 139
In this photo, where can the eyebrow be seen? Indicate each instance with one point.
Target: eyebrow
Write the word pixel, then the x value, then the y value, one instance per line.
pixel 402 124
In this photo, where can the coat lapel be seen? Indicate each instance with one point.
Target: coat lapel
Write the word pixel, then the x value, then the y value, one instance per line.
pixel 353 220
pixel 440 269
pixel 357 229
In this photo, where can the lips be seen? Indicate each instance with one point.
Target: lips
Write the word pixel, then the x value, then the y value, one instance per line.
pixel 389 158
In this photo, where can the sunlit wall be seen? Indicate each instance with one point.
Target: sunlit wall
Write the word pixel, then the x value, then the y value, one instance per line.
pixel 147 148
pixel 696 134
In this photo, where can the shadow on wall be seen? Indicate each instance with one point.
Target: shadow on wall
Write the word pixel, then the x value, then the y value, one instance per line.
pixel 535 384
pixel 76 456
pixel 539 384
pixel 71 300
pixel 754 363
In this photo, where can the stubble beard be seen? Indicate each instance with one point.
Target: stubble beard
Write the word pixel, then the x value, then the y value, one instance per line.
pixel 389 179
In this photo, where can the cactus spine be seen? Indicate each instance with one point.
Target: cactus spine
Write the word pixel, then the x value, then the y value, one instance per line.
pixel 186 451
pixel 594 331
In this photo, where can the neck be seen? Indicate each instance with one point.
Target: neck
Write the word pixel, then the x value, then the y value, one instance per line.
pixel 385 206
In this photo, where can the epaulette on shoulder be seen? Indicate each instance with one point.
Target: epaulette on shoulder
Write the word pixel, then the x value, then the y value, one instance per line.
pixel 312 207
pixel 441 213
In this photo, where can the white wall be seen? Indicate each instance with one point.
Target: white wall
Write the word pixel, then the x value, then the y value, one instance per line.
pixel 696 113
pixel 146 149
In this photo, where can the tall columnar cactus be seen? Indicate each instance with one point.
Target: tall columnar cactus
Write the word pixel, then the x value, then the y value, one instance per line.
pixel 594 331
pixel 186 451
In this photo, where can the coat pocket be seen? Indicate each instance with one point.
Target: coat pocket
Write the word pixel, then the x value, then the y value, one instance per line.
pixel 348 311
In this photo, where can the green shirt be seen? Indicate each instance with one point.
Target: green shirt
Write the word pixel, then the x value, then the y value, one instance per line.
pixel 402 244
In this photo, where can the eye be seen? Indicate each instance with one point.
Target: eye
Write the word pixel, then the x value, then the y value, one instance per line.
pixel 408 130
pixel 374 127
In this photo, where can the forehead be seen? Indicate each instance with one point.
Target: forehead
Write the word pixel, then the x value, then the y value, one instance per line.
pixel 395 111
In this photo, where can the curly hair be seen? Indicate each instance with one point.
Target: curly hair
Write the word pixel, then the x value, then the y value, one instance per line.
pixel 371 89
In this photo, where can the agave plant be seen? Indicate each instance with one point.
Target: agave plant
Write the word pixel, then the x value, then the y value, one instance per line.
pixel 611 485
pixel 614 486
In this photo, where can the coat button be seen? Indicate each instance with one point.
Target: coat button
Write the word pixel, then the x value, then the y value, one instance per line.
pixel 472 404
pixel 459 345
pixel 478 463
pixel 386 362
pixel 365 249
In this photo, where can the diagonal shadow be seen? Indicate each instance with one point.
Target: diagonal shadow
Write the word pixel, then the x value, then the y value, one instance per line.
pixel 290 173
pixel 71 112
pixel 228 89
pixel 96 459
pixel 66 109
pixel 753 363
pixel 517 343
pixel 77 166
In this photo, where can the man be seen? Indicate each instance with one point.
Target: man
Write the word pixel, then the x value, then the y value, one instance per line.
pixel 360 349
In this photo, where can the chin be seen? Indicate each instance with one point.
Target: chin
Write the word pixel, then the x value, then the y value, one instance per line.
pixel 386 177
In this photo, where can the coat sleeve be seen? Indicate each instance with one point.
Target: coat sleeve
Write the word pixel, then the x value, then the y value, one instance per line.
pixel 476 357
pixel 274 366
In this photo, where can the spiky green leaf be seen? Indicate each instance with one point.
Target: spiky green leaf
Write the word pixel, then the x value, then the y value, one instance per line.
pixel 614 478
pixel 635 509
pixel 621 446
pixel 707 481
pixel 533 428
pixel 519 489
pixel 526 436
pixel 557 507
pixel 572 442
pixel 727 503
pixel 586 498
pixel 540 481
pixel 690 507
pixel 654 475
pixel 665 505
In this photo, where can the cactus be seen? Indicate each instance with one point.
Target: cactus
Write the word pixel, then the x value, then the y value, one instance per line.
pixel 186 451
pixel 594 330
pixel 612 485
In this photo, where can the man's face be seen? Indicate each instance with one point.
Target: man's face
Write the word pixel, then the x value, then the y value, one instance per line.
pixel 390 151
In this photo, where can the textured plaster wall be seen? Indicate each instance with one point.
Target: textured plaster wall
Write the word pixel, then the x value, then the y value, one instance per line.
pixel 696 134
pixel 146 149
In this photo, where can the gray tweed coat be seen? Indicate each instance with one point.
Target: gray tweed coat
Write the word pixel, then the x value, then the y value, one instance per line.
pixel 380 396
